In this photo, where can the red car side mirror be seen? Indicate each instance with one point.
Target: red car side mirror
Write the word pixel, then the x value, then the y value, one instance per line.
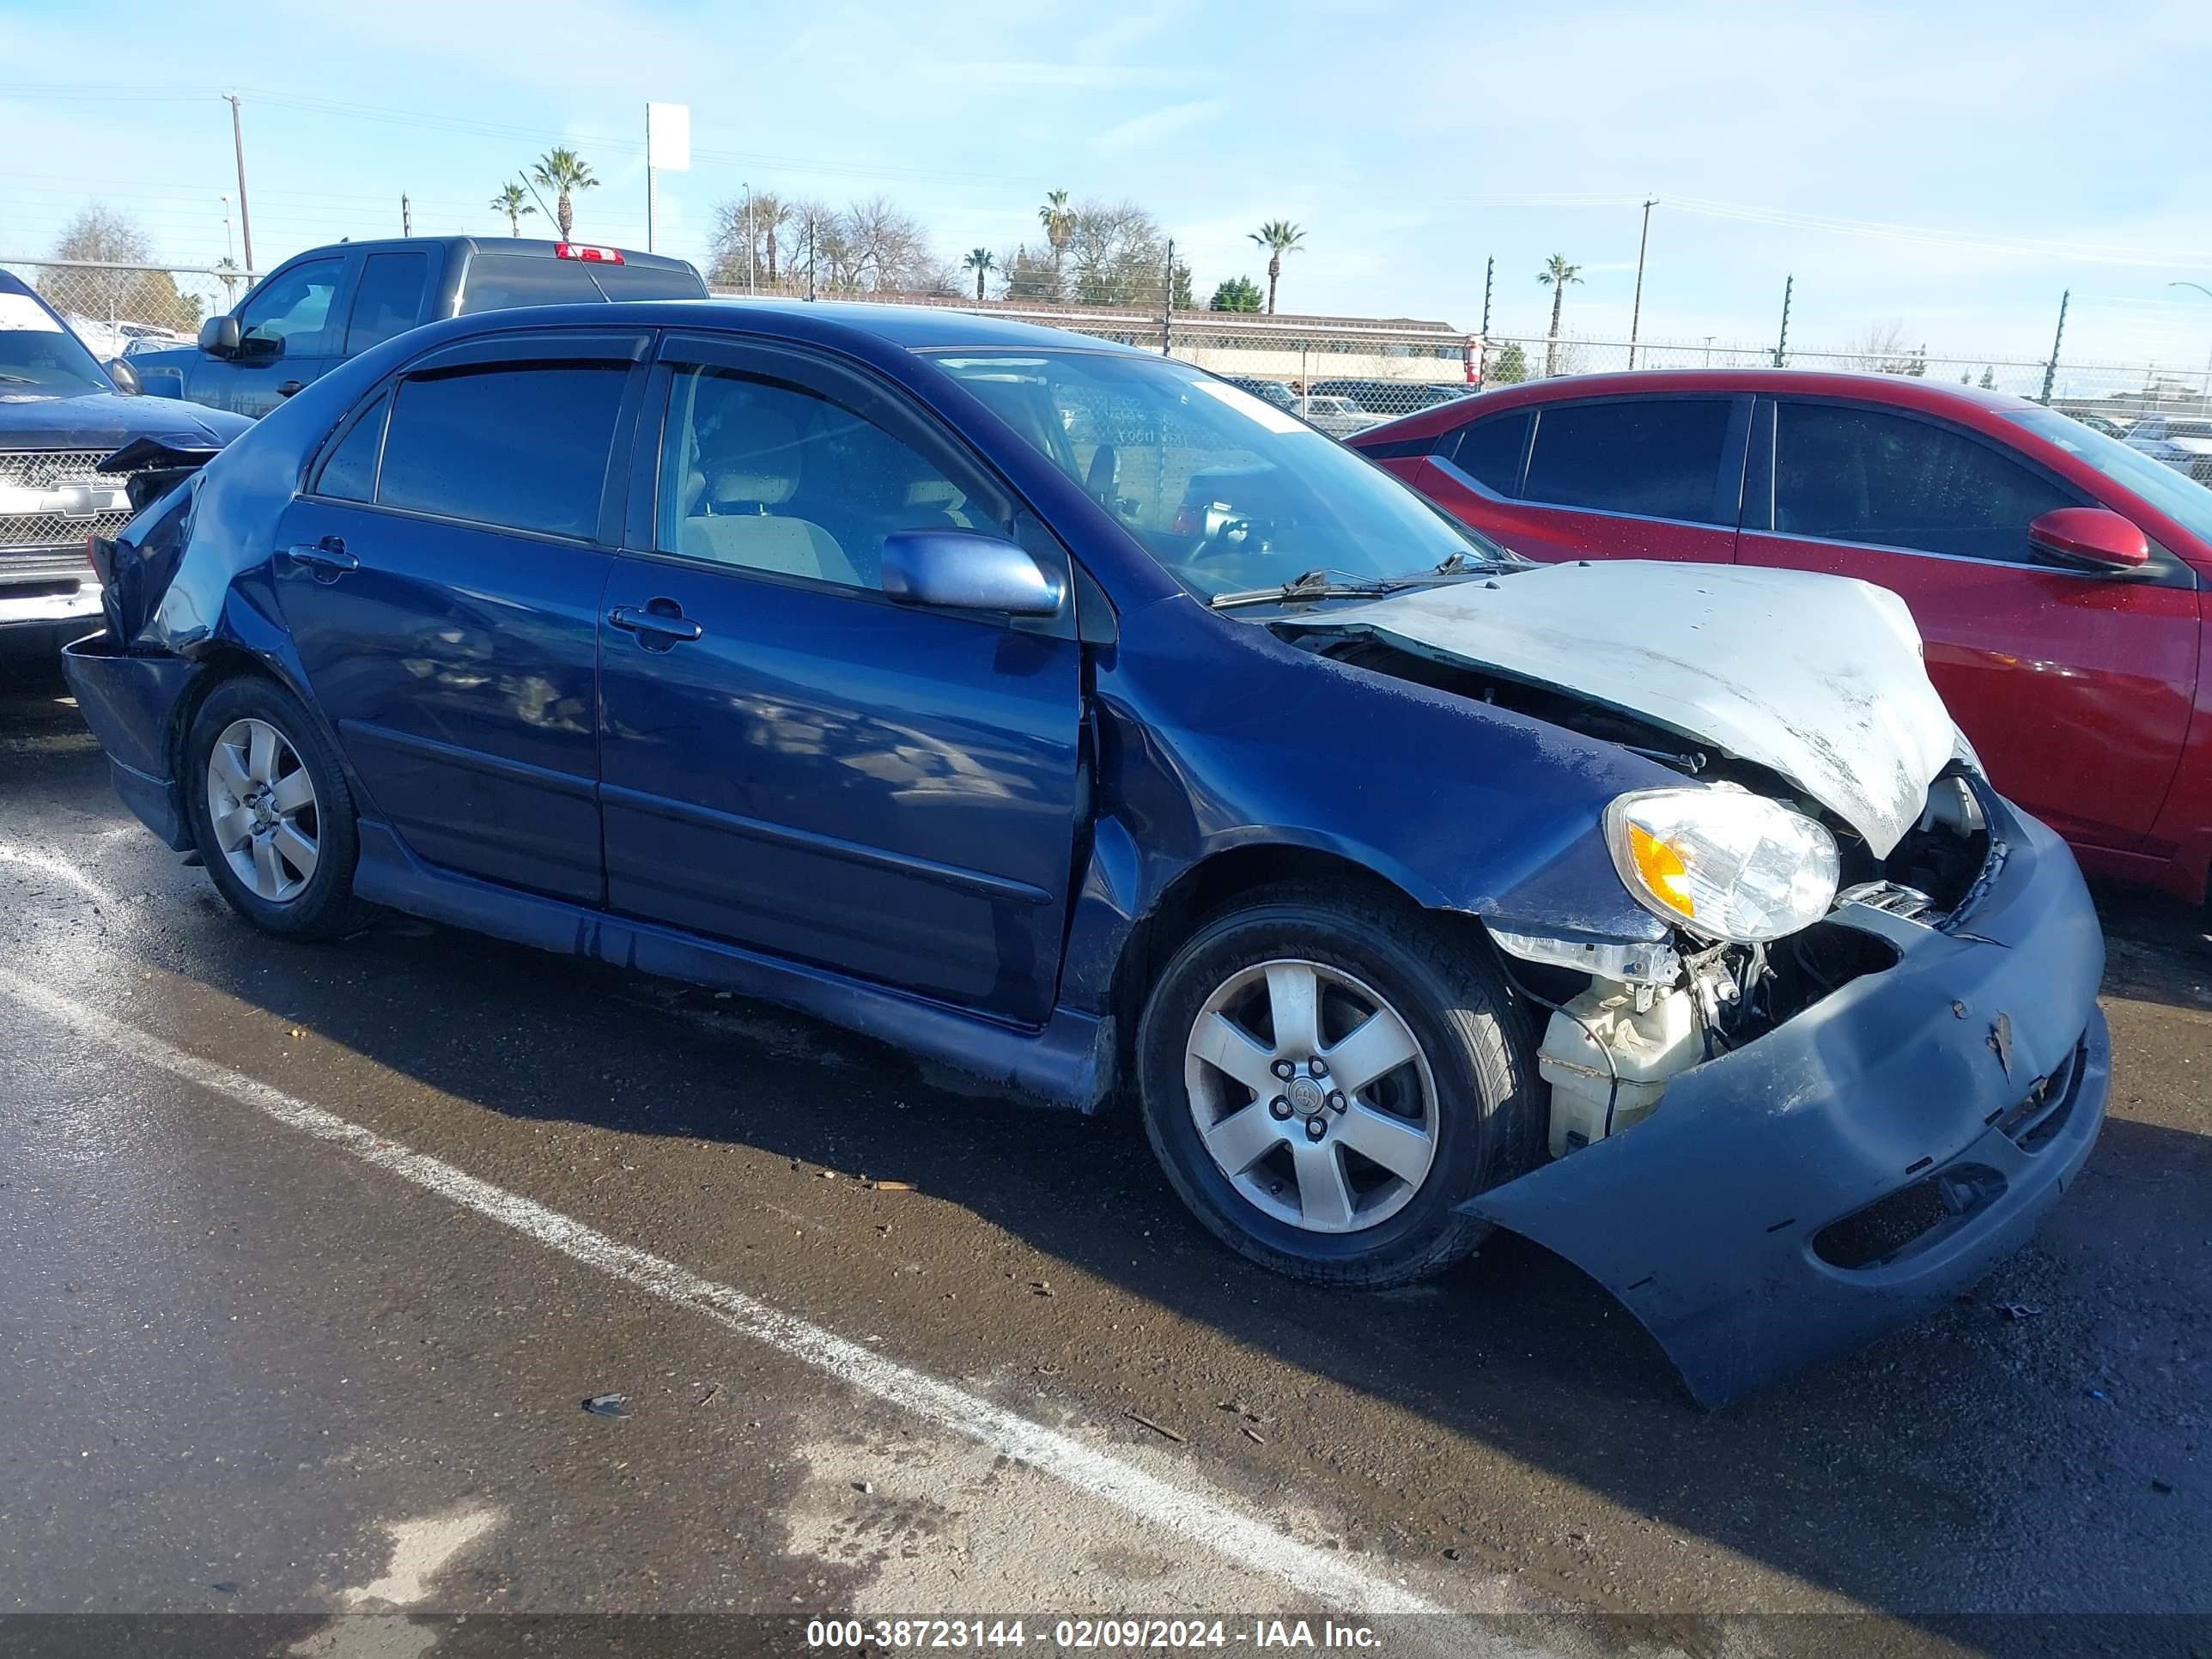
pixel 2095 537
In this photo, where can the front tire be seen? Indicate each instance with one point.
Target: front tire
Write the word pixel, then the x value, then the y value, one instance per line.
pixel 1324 1080
pixel 269 809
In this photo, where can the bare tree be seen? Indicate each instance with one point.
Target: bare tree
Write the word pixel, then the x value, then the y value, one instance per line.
pixel 1882 348
pixel 1119 253
pixel 100 234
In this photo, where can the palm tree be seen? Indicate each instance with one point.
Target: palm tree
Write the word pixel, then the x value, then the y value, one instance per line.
pixel 1059 222
pixel 514 202
pixel 227 272
pixel 1279 237
pixel 979 261
pixel 564 171
pixel 1556 275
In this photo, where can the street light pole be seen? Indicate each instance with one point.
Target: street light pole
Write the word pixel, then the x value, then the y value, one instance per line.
pixel 1635 311
pixel 748 239
pixel 237 148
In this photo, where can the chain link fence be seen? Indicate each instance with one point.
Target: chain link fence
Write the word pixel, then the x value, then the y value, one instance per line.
pixel 115 308
pixel 1343 373
pixel 2118 393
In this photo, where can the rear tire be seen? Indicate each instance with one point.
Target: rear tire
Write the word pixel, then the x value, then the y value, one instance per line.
pixel 1369 1198
pixel 269 809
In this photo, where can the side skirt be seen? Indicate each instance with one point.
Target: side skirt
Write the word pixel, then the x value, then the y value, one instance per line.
pixel 1068 1062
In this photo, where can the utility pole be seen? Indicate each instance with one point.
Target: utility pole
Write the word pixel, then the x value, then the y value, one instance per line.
pixel 1167 307
pixel 1636 310
pixel 748 239
pixel 238 147
pixel 1782 344
pixel 2051 369
pixel 406 217
pixel 809 256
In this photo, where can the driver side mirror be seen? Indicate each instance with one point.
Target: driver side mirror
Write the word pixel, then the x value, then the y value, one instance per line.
pixel 219 336
pixel 965 570
pixel 2089 538
pixel 124 377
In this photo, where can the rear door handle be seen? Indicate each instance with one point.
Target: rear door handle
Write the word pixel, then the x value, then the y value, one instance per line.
pixel 661 621
pixel 327 558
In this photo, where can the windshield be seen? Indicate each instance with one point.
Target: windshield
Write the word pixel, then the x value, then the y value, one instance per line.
pixel 1226 491
pixel 2174 494
pixel 37 354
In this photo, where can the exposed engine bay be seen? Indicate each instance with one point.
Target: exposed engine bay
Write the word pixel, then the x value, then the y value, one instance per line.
pixel 1623 1021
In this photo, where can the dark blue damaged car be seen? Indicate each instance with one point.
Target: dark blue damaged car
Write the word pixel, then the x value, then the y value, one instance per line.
pixel 1063 711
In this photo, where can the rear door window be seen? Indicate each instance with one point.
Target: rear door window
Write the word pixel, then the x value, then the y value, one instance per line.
pixel 1490 451
pixel 1848 473
pixel 349 472
pixel 1655 457
pixel 389 300
pixel 517 446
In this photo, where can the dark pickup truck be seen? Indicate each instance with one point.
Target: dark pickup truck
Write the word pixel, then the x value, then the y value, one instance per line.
pixel 322 307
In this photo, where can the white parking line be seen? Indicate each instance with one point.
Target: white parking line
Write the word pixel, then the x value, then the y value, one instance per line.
pixel 1186 1511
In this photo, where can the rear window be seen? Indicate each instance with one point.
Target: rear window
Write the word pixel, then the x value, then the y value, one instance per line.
pixel 499 282
pixel 523 447
pixel 389 300
pixel 1658 458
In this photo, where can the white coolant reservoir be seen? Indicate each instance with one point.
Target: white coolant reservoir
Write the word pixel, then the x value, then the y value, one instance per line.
pixel 1646 1049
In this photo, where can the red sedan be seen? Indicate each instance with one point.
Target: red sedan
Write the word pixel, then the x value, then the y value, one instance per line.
pixel 2058 577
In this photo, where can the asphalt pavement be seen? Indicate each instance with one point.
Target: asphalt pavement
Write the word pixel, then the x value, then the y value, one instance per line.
pixel 311 1257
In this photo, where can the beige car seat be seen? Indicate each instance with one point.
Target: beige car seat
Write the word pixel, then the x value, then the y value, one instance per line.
pixel 740 478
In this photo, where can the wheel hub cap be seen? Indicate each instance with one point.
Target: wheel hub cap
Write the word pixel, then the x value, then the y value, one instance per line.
pixel 1308 1098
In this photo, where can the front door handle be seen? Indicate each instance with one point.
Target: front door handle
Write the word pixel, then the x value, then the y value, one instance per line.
pixel 658 625
pixel 289 387
pixel 327 558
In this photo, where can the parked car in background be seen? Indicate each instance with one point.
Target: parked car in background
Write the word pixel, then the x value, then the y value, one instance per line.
pixel 2104 423
pixel 1057 710
pixel 1338 417
pixel 321 307
pixel 1387 399
pixel 61 416
pixel 2058 576
pixel 2184 443
pixel 1272 391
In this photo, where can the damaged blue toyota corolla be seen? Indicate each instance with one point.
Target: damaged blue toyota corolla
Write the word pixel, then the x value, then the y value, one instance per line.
pixel 1062 712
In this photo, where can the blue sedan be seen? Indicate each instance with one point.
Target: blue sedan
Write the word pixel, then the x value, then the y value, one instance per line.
pixel 1064 711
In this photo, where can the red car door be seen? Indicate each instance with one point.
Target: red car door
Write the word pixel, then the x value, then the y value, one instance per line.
pixel 2074 688
pixel 1619 478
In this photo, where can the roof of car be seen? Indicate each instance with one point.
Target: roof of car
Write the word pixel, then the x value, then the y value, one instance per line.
pixel 918 328
pixel 494 245
pixel 1904 390
pixel 909 328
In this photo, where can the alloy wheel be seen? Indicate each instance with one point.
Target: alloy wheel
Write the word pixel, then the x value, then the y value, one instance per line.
pixel 261 801
pixel 1312 1096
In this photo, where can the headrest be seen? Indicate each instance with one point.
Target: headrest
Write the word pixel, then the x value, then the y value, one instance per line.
pixel 753 455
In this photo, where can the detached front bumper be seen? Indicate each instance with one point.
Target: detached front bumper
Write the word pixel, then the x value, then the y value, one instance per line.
pixel 1863 1162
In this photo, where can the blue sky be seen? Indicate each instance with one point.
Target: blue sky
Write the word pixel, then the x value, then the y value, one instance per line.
pixel 1988 156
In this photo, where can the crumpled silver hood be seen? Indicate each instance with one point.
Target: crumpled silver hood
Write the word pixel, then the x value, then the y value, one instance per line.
pixel 1817 677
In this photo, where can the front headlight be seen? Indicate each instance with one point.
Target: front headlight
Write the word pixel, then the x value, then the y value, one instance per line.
pixel 1722 862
